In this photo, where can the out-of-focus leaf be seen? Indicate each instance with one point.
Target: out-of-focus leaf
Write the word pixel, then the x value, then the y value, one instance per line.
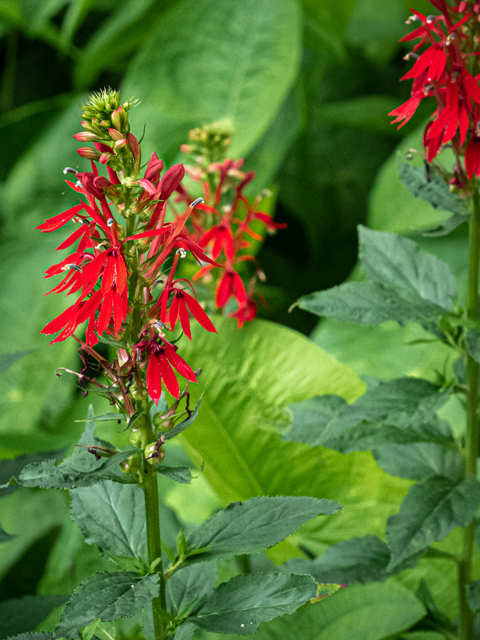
pixel 366 113
pixel 11 469
pixel 106 596
pixel 239 64
pixel 37 13
pixel 34 636
pixel 370 303
pixel 363 612
pixel 473 595
pixel 376 27
pixel 24 614
pixel 4 536
pixel 398 262
pixel 7 360
pixel 429 512
pixel 325 24
pixel 239 605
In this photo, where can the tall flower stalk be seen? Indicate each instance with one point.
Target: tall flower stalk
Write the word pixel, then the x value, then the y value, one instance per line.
pixel 446 68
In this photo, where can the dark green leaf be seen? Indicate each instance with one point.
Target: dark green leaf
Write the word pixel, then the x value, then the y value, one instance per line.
pixel 430 511
pixel 431 187
pixel 9 359
pixel 4 536
pixel 239 605
pixel 81 469
pixel 369 303
pixel 111 342
pixel 189 585
pixel 112 516
pixel 24 614
pixel 419 461
pixel 10 470
pixel 241 60
pixel 356 560
pixel 179 474
pixel 394 412
pixel 255 525
pixel 473 595
pixel 106 596
pixel 181 426
pixel 185 632
pixel 397 262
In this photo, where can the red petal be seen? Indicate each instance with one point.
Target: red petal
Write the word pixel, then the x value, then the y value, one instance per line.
pixel 179 363
pixel 52 224
pixel 121 273
pixel 199 313
pixel 105 313
pixel 169 377
pixel 184 319
pixel 117 311
pixel 108 274
pixel 173 313
pixel 154 379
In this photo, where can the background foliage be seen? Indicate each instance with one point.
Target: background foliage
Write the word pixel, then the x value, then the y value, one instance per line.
pixel 307 86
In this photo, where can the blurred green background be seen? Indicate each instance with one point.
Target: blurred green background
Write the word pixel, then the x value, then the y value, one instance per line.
pixel 306 85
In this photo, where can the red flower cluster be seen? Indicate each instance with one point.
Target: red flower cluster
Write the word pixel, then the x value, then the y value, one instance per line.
pixel 444 70
pixel 226 230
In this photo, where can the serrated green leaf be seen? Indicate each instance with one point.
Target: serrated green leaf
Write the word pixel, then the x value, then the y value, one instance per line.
pixel 112 516
pixel 260 42
pixel 473 595
pixel 397 262
pixel 473 344
pixel 255 525
pixel 239 605
pixel 446 227
pixel 44 635
pixel 185 631
pixel 7 360
pixel 24 614
pixel 178 474
pixel 360 560
pixel 10 470
pixel 431 187
pixel 401 411
pixel 430 511
pixel 419 461
pixel 369 303
pixel 358 612
pixel 106 596
pixel 81 469
pixel 188 586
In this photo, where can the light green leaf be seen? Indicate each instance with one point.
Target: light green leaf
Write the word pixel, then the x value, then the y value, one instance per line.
pixel 429 512
pixel 397 262
pixel 356 560
pixel 112 516
pixel 255 525
pixel 24 614
pixel 106 596
pixel 239 605
pixel 431 187
pixel 4 536
pixel 189 585
pixel 419 461
pixel 249 378
pixel 360 612
pixel 241 60
pixel 369 303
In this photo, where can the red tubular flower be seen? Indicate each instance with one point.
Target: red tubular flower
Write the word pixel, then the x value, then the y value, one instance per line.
pixel 246 313
pixel 162 356
pixel 222 238
pixel 180 305
pixel 230 285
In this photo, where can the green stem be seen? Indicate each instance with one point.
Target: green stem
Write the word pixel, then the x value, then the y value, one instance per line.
pixel 467 616
pixel 154 540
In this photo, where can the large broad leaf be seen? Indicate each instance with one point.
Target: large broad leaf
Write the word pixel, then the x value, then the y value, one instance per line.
pixel 255 525
pixel 395 412
pixel 24 614
pixel 239 64
pixel 239 605
pixel 106 596
pixel 419 461
pixel 473 595
pixel 4 536
pixel 112 516
pixel 398 262
pixel 429 512
pixel 9 359
pixel 356 560
pixel 370 303
pixel 249 378
pixel 362 612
